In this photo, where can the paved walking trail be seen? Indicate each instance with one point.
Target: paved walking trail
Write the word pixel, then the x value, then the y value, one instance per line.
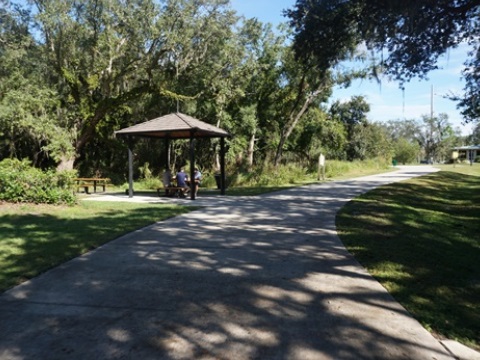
pixel 242 278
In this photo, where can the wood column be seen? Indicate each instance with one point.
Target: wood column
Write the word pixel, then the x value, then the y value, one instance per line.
pixel 192 166
pixel 167 153
pixel 130 167
pixel 222 166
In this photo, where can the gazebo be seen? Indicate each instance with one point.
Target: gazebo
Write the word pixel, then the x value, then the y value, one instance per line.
pixel 170 127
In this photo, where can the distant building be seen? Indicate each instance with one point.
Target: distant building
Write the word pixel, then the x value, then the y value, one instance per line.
pixel 466 153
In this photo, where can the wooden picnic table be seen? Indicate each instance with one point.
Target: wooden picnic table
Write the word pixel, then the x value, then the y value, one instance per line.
pixel 173 190
pixel 86 182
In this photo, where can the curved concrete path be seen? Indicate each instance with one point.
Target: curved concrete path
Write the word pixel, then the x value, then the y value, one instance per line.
pixel 248 278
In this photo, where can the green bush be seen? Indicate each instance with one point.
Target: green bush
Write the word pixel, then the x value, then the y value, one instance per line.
pixel 208 180
pixel 151 183
pixel 20 182
pixel 406 152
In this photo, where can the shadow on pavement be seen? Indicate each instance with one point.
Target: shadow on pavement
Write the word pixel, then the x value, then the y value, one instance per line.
pixel 251 278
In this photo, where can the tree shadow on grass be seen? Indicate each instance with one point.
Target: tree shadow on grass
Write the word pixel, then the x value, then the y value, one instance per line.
pixel 33 243
pixel 419 239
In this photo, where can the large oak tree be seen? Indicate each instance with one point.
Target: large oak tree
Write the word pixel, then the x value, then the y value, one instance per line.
pixel 104 57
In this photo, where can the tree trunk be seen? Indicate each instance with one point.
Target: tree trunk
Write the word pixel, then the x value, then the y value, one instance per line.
pixel 239 159
pixel 250 150
pixel 217 152
pixel 292 122
pixel 216 164
pixel 65 164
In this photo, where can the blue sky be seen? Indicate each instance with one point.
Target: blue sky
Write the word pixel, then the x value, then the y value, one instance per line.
pixel 387 102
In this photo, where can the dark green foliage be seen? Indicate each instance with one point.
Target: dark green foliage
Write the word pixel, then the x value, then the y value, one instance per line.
pixel 353 115
pixel 469 101
pixel 412 33
pixel 20 182
pixel 406 152
pixel 474 138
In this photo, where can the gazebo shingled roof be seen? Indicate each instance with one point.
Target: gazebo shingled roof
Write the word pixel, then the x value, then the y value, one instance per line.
pixel 173 126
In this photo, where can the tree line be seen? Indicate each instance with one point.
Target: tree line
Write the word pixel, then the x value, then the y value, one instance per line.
pixel 72 72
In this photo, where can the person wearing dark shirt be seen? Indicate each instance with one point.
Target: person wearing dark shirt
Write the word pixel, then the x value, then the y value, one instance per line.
pixel 182 179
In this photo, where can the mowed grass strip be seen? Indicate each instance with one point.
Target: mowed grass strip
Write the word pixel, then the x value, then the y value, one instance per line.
pixel 34 238
pixel 421 240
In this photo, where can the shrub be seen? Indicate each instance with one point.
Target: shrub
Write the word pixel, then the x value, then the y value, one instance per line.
pixel 208 180
pixel 151 183
pixel 406 152
pixel 20 182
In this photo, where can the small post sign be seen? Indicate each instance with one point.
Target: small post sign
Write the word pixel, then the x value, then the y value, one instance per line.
pixel 454 157
pixel 321 167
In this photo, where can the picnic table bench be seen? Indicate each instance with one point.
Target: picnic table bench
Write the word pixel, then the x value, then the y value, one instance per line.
pixel 85 183
pixel 175 191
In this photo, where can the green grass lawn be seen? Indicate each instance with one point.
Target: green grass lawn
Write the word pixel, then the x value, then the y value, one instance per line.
pixel 421 239
pixel 35 238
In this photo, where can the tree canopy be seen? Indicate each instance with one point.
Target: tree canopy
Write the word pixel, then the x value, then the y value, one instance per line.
pixel 74 72
pixel 410 35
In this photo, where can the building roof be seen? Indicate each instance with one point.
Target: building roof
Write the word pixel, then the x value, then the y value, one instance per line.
pixel 173 126
pixel 469 147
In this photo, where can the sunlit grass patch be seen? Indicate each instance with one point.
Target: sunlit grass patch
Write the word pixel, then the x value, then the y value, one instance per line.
pixel 420 239
pixel 38 237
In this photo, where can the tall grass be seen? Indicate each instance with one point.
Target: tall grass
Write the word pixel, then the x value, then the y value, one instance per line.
pixel 291 174
pixel 270 176
pixel 285 175
pixel 335 169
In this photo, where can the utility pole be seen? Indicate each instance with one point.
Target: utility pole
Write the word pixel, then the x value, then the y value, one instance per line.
pixel 431 126
pixel 431 105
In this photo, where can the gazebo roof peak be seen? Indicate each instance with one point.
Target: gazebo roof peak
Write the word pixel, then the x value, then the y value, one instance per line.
pixel 174 126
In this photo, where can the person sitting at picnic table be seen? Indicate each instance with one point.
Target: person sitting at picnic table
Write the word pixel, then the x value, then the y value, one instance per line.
pixel 167 180
pixel 182 179
pixel 197 178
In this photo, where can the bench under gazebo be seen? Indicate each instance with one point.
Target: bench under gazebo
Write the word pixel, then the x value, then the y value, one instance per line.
pixel 170 127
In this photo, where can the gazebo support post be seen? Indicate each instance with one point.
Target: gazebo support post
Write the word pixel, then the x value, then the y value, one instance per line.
pixel 192 166
pixel 130 167
pixel 167 153
pixel 222 165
